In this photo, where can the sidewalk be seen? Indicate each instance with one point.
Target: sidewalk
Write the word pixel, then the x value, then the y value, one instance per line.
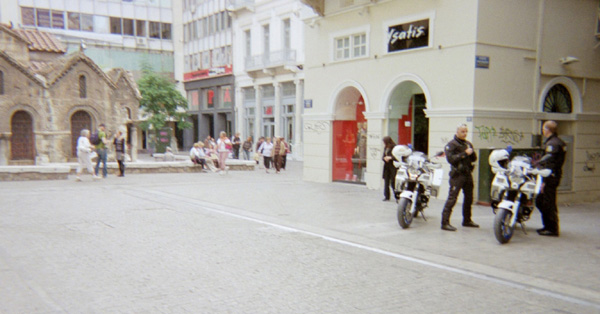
pixel 50 227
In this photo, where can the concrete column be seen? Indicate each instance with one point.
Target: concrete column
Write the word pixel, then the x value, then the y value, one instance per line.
pixel 134 143
pixel 257 113
pixel 298 147
pixel 375 131
pixel 5 148
pixel 240 114
pixel 277 109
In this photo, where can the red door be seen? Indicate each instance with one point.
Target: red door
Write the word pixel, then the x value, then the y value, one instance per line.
pixel 22 141
pixel 79 120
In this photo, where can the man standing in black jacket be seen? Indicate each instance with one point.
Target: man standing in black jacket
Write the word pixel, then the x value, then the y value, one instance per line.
pixel 553 159
pixel 461 156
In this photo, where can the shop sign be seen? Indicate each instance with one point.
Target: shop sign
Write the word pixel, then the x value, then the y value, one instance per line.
pixel 482 62
pixel 206 73
pixel 307 103
pixel 408 36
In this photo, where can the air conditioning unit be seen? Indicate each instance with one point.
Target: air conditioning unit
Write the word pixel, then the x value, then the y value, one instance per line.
pixel 141 42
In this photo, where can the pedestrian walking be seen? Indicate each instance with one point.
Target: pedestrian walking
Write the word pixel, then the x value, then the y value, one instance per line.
pixel 247 148
pixel 461 156
pixel 236 143
pixel 84 148
pixel 265 150
pixel 257 154
pixel 101 151
pixel 285 153
pixel 554 157
pixel 389 170
pixel 119 143
pixel 278 151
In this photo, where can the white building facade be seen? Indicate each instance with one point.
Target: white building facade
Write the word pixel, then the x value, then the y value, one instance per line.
pixel 268 67
pixel 415 69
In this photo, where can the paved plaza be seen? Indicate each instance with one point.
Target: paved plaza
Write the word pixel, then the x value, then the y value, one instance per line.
pixel 252 242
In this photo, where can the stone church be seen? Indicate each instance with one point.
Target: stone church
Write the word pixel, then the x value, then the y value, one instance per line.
pixel 47 97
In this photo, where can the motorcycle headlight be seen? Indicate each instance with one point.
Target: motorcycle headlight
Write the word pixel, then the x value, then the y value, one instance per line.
pixel 413 172
pixel 516 177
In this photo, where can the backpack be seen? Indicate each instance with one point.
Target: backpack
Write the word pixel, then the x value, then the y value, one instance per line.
pixel 95 138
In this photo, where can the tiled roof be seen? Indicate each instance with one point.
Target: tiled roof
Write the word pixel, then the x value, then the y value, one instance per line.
pixel 41 41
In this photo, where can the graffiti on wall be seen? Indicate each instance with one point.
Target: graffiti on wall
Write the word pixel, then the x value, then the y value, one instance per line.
pixel 375 152
pixel 506 135
pixel 316 126
pixel 591 159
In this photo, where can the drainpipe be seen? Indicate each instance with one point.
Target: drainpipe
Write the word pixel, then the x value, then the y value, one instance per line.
pixel 538 56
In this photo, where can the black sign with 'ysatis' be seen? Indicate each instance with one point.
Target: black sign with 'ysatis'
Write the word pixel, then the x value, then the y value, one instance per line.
pixel 408 36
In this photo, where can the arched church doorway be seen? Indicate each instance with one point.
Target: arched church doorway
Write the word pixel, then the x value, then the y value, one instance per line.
pixel 22 141
pixel 349 137
pixel 408 124
pixel 79 120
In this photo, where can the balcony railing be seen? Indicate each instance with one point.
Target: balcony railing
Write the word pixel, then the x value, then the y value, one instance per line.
pixel 272 59
pixel 237 5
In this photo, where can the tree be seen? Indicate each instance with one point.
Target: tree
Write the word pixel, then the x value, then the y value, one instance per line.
pixel 161 102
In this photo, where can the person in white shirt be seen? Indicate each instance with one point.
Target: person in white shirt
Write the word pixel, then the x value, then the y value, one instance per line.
pixel 224 147
pixel 195 156
pixel 266 149
pixel 84 148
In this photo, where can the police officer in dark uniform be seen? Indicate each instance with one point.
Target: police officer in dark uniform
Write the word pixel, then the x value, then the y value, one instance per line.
pixel 461 156
pixel 553 159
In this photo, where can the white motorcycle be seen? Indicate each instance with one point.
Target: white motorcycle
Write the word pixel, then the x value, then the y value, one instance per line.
pixel 417 180
pixel 514 189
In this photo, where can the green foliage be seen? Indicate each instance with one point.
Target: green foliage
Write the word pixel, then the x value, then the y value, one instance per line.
pixel 161 101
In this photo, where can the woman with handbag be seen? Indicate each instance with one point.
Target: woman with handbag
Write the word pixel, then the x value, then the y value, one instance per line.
pixel 224 147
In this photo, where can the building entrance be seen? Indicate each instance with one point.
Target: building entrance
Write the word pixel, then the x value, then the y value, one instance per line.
pixel 22 147
pixel 408 124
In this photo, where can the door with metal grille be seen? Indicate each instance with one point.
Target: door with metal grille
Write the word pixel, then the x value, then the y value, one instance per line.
pixel 22 141
pixel 79 120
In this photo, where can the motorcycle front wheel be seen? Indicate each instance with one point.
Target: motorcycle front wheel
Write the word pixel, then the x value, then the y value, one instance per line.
pixel 502 229
pixel 404 216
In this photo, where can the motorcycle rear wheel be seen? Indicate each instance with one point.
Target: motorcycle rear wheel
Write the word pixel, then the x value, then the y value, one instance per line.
pixel 502 229
pixel 404 216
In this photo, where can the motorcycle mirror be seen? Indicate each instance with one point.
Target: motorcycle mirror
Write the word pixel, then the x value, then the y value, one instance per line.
pixel 546 172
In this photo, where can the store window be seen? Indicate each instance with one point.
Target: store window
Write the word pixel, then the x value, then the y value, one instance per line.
pixel 193 100
pixel 249 99
pixel 226 97
pixel 209 98
pixel 558 100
